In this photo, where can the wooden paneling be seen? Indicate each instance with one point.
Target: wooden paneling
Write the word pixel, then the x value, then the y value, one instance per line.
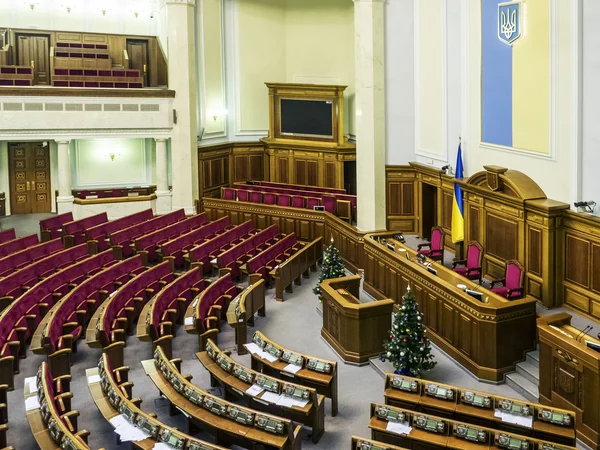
pixel 301 170
pixel 447 202
pixel 501 237
pixel 401 203
pixel 29 175
pixel 578 260
pixel 474 214
pixel 535 251
pixel 256 165
pixel 596 268
pixel 312 173
pixel 283 166
pixel 330 174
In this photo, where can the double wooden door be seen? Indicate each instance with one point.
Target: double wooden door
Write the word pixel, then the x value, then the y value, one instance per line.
pixel 34 50
pixel 138 57
pixel 29 177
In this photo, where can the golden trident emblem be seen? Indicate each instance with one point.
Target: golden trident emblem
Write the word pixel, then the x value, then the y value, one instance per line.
pixel 508 23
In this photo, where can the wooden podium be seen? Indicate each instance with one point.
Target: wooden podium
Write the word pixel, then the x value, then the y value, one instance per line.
pixel 570 374
pixel 355 330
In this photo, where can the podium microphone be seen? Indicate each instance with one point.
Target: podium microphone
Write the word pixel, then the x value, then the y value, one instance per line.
pixel 584 332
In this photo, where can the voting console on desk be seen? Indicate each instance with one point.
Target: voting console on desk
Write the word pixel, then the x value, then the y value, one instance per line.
pixel 570 374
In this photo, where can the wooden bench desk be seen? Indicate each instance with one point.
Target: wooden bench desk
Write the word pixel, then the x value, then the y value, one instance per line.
pixel 251 301
pixel 359 443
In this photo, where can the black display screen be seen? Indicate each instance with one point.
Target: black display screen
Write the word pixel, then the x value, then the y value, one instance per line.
pixel 306 117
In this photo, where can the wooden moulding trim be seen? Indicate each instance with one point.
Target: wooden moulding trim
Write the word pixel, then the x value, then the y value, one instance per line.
pixel 34 91
pixel 98 201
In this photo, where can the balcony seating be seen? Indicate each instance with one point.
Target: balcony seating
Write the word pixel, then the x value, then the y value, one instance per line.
pixel 20 259
pixel 299 187
pixel 472 265
pixel 121 241
pixel 51 228
pixel 113 192
pixel 16 76
pixel 236 256
pixel 209 308
pixel 97 236
pixel 512 283
pixel 265 261
pixel 7 235
pixel 97 77
pixel 74 232
pixel 18 282
pixel 436 246
pixel 22 317
pixel 120 312
pixel 16 245
pixel 283 199
pixel 203 253
pixel 174 249
pixel 146 245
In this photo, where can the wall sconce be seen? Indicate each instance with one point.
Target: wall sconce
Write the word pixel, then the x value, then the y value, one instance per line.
pixel 111 154
pixel 136 14
pixel 32 5
pixel 216 113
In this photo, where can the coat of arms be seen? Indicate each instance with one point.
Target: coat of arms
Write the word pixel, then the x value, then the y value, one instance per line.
pixel 509 22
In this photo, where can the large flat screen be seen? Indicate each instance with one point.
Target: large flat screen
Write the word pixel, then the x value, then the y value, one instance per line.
pixel 306 118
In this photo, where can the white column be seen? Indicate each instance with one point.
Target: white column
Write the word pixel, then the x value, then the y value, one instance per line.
pixel 65 197
pixel 182 79
pixel 369 40
pixel 163 194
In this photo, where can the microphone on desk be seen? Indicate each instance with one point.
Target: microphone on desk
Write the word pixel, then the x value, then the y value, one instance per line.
pixel 586 333
pixel 583 332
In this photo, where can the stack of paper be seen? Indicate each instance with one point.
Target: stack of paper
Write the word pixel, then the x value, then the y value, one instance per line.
pixel 188 321
pixel 32 403
pixel 270 397
pixel 524 421
pixel 399 427
pixel 254 390
pixel 292 368
pixel 162 446
pixel 269 357
pixel 256 350
pixel 126 431
pixel 284 400
pixel 31 382
pixel 94 379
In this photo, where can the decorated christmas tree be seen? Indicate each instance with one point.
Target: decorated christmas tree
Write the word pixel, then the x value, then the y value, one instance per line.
pixel 331 267
pixel 408 349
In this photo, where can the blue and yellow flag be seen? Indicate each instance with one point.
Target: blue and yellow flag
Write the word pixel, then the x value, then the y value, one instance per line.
pixel 458 214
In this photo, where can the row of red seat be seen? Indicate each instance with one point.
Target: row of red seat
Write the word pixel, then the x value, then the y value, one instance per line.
pixel 122 310
pixel 22 317
pixel 7 235
pixel 275 254
pixel 97 236
pixel 74 232
pixel 298 187
pixel 15 284
pixel 70 316
pixel 237 255
pixel 208 250
pixel 18 244
pixel 20 259
pixel 147 244
pixel 121 240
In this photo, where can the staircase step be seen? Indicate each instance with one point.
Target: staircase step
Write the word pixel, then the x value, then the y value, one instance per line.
pixel 534 358
pixel 523 386
pixel 529 371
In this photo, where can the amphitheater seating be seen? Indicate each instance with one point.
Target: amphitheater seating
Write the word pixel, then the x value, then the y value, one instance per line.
pixel 97 236
pixel 97 77
pixel 20 259
pixel 296 266
pixel 203 253
pixel 147 244
pixel 122 240
pixel 16 76
pixel 51 228
pixel 54 423
pixel 16 245
pixel 240 253
pixel 74 232
pixel 242 309
pixel 174 249
pixel 120 312
pixel 7 235
pixel 20 320
pixel 274 254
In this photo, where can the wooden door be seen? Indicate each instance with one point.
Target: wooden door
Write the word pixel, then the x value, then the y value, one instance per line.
pixel 138 57
pixel 34 50
pixel 29 177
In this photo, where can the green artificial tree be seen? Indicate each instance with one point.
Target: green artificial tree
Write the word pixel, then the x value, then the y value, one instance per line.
pixel 332 266
pixel 408 349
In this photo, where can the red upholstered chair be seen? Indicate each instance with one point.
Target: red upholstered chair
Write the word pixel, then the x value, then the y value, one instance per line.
pixel 243 195
pixel 436 246
pixel 228 194
pixel 269 198
pixel 311 202
pixel 472 265
pixel 297 201
pixel 255 197
pixel 512 282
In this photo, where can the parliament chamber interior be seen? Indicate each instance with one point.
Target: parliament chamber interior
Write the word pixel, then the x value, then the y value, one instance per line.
pixel 287 224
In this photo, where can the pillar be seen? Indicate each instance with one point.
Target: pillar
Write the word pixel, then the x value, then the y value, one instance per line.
pixel 369 40
pixel 182 79
pixel 163 194
pixel 65 197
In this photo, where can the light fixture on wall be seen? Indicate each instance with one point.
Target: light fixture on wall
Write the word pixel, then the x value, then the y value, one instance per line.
pixel 111 154
pixel 31 4
pixel 216 113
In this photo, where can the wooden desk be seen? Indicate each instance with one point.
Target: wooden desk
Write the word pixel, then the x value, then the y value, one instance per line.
pixel 487 337
pixel 37 425
pixel 357 443
pixel 251 301
pixel 570 374
pixel 355 330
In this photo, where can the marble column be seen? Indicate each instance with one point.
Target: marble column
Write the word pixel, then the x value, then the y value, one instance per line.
pixel 369 40
pixel 65 197
pixel 182 79
pixel 163 194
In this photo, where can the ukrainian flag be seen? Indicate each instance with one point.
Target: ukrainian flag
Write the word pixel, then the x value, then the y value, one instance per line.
pixel 458 214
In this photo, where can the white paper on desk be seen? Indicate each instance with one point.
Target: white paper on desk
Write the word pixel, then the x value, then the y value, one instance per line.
pixel 32 383
pixel 254 390
pixel 269 357
pixel 94 379
pixel 189 321
pixel 292 368
pixel 118 421
pixel 162 446
pixel 270 397
pixel 524 421
pixel 253 348
pixel 32 403
pixel 128 432
pixel 284 400
pixel 399 427
pixel 213 261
